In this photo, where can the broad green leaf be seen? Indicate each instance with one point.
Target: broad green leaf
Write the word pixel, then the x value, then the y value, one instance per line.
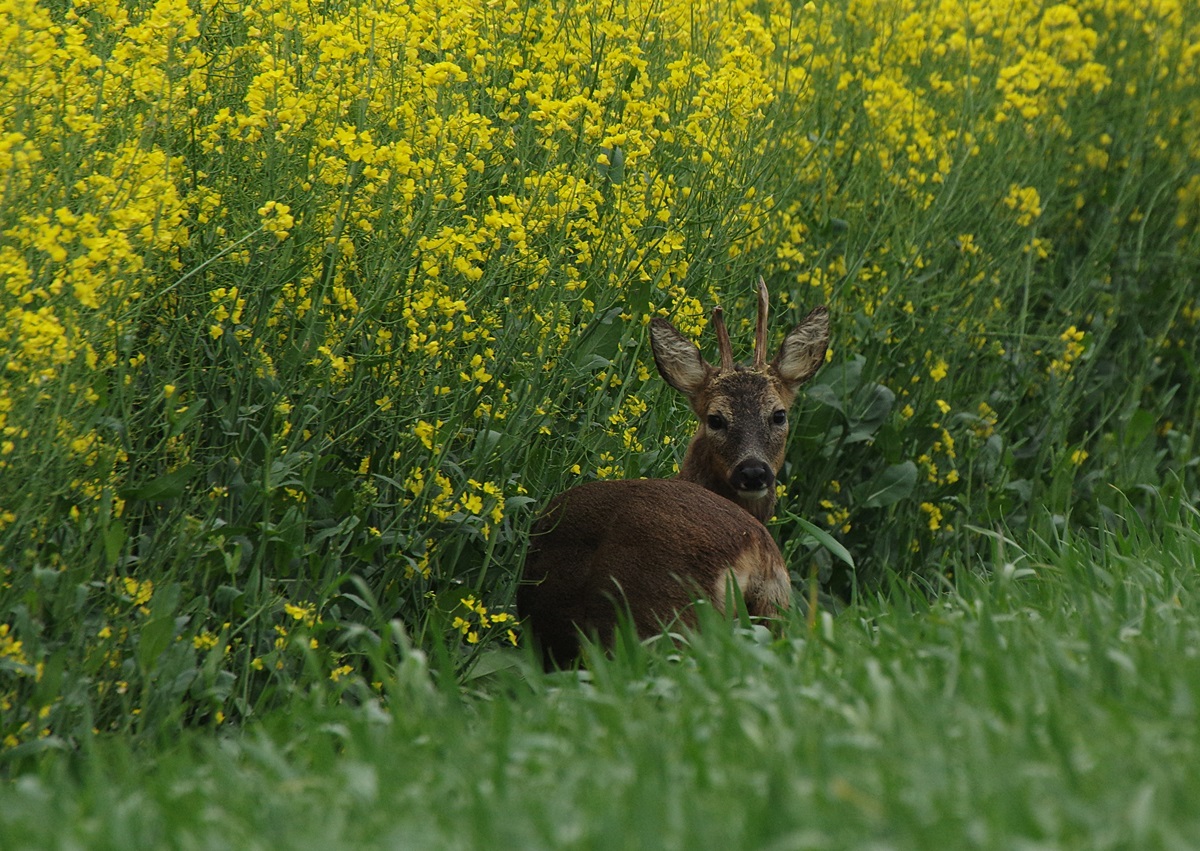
pixel 167 486
pixel 826 540
pixel 889 486
pixel 154 639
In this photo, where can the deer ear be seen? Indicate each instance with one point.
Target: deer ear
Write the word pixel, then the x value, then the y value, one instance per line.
pixel 677 358
pixel 803 350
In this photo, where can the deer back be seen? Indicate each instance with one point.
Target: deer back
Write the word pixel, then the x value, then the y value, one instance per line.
pixel 651 546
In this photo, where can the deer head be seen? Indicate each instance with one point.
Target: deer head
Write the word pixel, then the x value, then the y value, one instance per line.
pixel 743 410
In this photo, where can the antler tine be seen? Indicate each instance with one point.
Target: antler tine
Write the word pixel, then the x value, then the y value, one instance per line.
pixel 760 331
pixel 718 321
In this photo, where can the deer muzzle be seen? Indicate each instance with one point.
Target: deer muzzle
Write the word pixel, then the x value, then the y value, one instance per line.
pixel 752 477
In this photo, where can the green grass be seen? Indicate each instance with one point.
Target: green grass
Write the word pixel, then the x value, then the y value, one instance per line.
pixel 1053 706
pixel 306 308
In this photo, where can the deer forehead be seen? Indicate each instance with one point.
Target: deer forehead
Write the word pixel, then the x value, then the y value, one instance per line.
pixel 744 392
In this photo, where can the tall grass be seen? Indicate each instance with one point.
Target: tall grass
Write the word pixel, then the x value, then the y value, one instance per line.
pixel 1050 706
pixel 307 307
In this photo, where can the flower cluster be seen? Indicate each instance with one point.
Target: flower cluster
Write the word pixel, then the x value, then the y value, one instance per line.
pixel 476 620
pixel 1073 348
pixel 301 293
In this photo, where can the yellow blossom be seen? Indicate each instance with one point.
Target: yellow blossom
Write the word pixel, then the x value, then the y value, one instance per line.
pixel 1026 201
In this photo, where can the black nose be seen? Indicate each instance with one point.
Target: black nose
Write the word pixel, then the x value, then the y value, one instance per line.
pixel 752 475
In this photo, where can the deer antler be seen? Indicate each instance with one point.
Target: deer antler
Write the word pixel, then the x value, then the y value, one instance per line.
pixel 760 330
pixel 726 349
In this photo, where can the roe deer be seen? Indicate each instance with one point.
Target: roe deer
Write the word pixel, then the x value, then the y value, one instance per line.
pixel 656 545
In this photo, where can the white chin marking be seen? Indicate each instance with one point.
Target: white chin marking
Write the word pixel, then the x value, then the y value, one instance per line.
pixel 749 495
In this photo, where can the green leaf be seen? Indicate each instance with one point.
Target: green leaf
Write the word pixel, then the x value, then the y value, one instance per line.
pixel 154 639
pixel 180 422
pixel 600 341
pixel 614 169
pixel 825 395
pixel 876 408
pixel 491 661
pixel 161 488
pixel 114 541
pixel 879 403
pixel 890 486
pixel 826 540
pixel 1140 426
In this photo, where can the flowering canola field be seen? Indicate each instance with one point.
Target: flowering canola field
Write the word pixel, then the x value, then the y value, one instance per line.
pixel 306 305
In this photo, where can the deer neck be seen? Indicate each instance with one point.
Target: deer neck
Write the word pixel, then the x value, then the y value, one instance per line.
pixel 701 468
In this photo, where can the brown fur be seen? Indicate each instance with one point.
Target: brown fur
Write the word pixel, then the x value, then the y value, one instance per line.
pixel 745 399
pixel 654 545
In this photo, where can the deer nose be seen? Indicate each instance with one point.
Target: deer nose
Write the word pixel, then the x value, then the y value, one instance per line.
pixel 752 476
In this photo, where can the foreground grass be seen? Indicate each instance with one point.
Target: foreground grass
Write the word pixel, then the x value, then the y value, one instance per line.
pixel 1052 706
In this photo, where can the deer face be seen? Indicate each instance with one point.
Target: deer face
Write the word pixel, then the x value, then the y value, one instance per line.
pixel 743 411
pixel 743 430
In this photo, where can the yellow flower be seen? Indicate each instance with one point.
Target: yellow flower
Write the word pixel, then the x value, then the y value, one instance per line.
pixel 426 432
pixel 139 592
pixel 10 648
pixel 277 219
pixel 1026 201
pixel 204 640
pixel 1073 349
pixel 303 612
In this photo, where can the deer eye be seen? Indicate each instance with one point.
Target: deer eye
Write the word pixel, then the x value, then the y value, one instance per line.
pixel 716 422
pixel 779 417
